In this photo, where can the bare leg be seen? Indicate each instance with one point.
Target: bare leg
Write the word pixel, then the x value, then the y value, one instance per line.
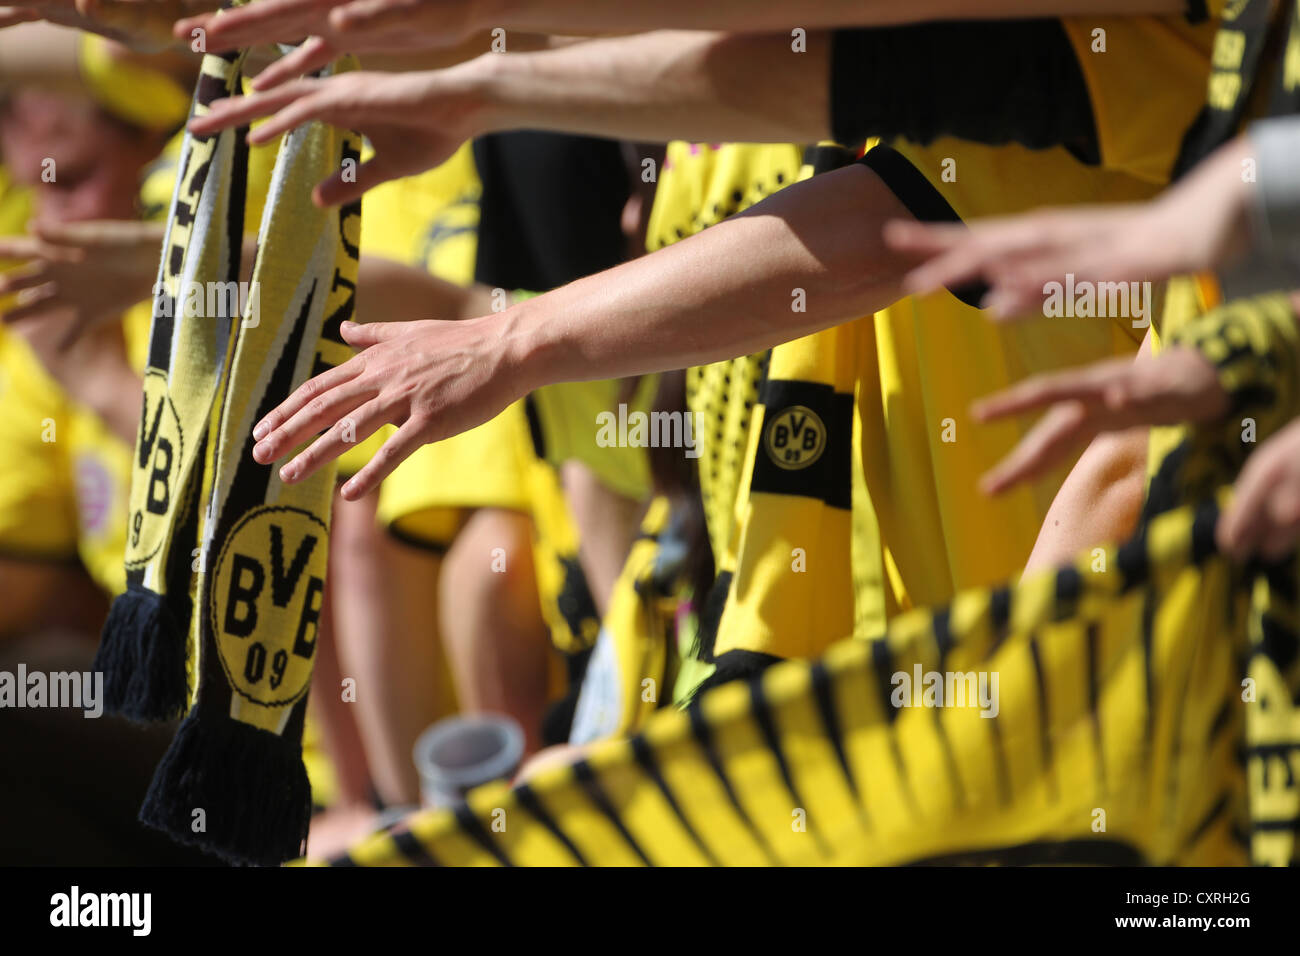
pixel 1099 502
pixel 385 620
pixel 331 710
pixel 496 641
pixel 607 526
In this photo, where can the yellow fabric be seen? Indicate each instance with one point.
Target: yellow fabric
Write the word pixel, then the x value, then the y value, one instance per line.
pixel 424 499
pixel 170 453
pixel 38 515
pixel 700 185
pixel 15 208
pixel 793 549
pixel 320 768
pixel 293 237
pixel 804 531
pixel 980 181
pixel 913 480
pixel 1253 345
pixel 571 417
pixel 921 451
pixel 1163 58
pixel 101 469
pixel 252 612
pixel 922 527
pixel 429 220
pixel 105 559
pixel 158 181
pixel 566 420
pixel 68 498
pixel 130 90
pixel 64 474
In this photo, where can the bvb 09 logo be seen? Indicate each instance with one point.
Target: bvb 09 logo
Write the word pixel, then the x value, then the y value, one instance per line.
pixel 266 602
pixel 795 437
pixel 156 470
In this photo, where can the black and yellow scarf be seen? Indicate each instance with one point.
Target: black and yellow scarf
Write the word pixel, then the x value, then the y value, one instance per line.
pixel 226 564
pixel 1243 49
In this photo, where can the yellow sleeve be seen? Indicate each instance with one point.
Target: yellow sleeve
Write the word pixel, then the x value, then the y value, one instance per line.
pixel 1168 60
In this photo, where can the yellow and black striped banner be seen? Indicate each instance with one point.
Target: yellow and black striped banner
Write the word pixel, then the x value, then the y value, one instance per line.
pixel 1101 714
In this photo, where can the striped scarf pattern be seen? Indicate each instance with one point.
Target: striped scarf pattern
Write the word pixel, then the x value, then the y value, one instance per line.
pixel 226 563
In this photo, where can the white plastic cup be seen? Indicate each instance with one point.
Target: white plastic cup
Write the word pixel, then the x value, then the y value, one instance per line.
pixel 457 754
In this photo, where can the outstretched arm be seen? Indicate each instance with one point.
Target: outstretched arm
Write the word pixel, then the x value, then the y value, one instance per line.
pixel 847 85
pixel 368 25
pixel 652 87
pixel 727 291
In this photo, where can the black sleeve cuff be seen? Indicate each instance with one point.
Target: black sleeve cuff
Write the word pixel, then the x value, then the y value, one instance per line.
pixel 922 200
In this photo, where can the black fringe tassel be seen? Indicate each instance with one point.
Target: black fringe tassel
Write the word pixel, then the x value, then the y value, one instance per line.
pixel 142 657
pixel 250 784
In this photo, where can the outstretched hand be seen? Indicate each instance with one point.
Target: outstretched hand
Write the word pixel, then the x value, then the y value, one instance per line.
pixel 432 379
pixel 1017 257
pixel 144 25
pixel 1264 517
pixel 86 273
pixel 414 121
pixel 1180 385
pixel 1198 225
pixel 354 26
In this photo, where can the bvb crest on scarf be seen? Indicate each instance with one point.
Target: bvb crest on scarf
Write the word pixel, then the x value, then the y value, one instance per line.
pixel 270 578
pixel 795 437
pixel 226 564
pixel 159 451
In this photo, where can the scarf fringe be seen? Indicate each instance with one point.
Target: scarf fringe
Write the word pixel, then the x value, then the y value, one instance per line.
pixel 141 654
pixel 250 783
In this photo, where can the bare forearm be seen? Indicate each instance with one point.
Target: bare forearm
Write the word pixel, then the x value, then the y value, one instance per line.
pixel 1098 503
pixel 664 85
pixel 803 260
pixel 437 58
pixel 584 16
